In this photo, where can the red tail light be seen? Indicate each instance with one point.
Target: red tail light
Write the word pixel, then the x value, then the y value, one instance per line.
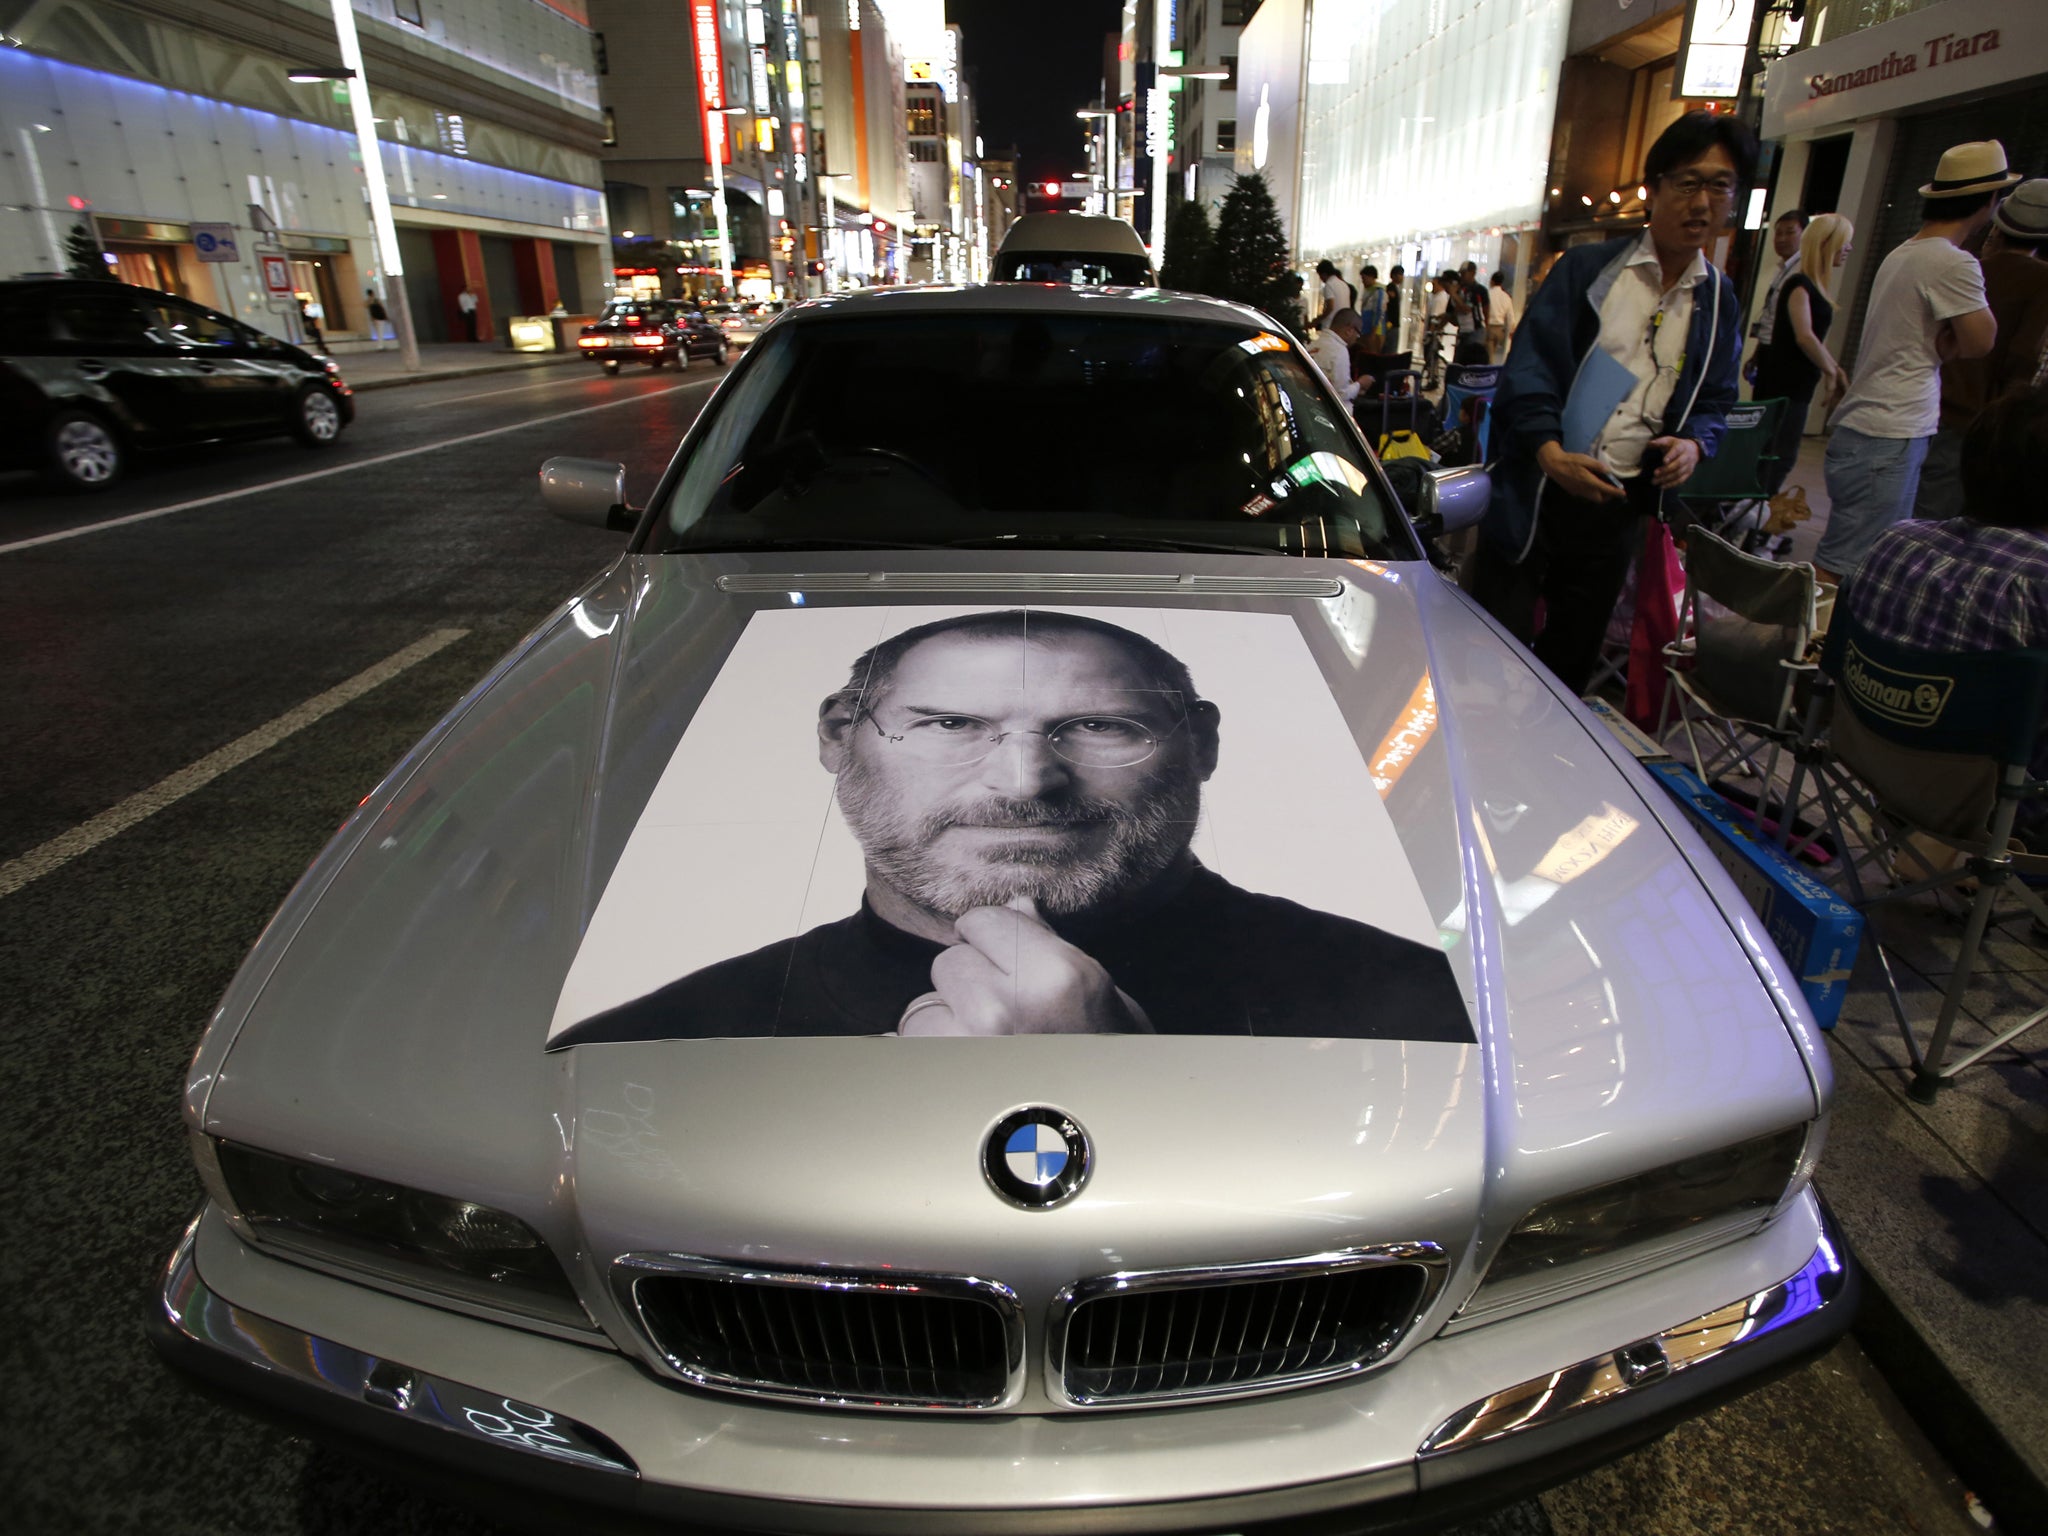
pixel 648 340
pixel 592 341
pixel 632 322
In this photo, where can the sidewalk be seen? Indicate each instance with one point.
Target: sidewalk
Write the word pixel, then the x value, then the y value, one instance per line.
pixel 440 360
pixel 1946 1205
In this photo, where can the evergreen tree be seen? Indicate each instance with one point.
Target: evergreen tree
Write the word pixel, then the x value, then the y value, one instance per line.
pixel 1189 240
pixel 1250 253
pixel 82 254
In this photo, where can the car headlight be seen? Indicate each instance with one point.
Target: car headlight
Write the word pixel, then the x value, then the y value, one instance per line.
pixel 1647 1212
pixel 455 1247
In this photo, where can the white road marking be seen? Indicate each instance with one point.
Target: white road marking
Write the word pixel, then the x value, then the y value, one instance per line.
pixel 559 374
pixel 339 469
pixel 66 846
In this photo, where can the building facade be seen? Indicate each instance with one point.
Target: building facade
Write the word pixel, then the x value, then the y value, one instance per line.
pixel 804 105
pixel 1205 129
pixel 148 128
pixel 1403 131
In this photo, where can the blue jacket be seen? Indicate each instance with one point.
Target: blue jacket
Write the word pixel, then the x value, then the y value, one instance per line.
pixel 1561 326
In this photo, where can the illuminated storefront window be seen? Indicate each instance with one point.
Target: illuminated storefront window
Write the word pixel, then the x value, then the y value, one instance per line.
pixel 1423 117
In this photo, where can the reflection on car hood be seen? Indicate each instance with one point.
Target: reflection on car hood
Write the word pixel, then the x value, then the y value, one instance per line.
pixel 392 1017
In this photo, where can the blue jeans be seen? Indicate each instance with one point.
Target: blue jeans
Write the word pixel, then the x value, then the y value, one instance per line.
pixel 1871 484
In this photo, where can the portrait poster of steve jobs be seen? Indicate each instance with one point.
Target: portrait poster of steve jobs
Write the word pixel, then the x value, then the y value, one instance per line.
pixel 998 821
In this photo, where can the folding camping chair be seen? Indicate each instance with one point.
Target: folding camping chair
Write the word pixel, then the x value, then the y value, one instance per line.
pixel 1941 743
pixel 1471 384
pixel 1739 668
pixel 1738 479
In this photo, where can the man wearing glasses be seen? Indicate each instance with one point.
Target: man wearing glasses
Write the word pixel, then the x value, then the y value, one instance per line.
pixel 1024 787
pixel 1567 510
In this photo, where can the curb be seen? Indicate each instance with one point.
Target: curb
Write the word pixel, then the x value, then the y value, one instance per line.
pixel 432 376
pixel 1937 1400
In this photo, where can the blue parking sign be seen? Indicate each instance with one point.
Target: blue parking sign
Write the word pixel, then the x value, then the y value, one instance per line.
pixel 215 242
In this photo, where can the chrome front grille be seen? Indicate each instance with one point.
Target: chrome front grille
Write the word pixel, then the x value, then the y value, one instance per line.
pixel 1175 1335
pixel 894 1341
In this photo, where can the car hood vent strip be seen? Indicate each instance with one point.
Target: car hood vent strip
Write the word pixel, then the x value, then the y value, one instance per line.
pixel 1030 581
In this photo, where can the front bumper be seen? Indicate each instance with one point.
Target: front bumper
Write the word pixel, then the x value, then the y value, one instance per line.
pixel 580 1429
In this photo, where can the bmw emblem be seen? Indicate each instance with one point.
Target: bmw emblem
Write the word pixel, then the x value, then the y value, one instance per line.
pixel 1036 1157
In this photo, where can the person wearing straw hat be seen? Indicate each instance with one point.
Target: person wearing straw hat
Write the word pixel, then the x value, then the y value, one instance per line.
pixel 2016 286
pixel 1926 307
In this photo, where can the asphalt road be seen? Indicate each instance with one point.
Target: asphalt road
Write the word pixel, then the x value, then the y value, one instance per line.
pixel 173 624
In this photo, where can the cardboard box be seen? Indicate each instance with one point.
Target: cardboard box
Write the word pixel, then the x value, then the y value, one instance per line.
pixel 1642 746
pixel 1816 931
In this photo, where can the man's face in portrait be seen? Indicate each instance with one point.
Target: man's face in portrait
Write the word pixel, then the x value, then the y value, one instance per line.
pixel 985 769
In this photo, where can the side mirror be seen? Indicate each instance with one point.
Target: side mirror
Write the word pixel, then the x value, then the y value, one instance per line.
pixel 591 491
pixel 1452 499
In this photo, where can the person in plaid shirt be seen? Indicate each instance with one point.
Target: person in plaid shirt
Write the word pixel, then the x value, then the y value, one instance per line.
pixel 1978 582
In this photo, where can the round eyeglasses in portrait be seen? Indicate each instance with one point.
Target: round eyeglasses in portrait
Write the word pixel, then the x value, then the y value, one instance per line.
pixel 1086 741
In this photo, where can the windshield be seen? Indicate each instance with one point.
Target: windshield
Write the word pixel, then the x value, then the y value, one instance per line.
pixel 1101 269
pixel 1025 430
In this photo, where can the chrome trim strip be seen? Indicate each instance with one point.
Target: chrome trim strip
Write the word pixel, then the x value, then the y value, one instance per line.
pixel 628 1270
pixel 1604 1378
pixel 193 1315
pixel 1426 1256
pixel 1030 581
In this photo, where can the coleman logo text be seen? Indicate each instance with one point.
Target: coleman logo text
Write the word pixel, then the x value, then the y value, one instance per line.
pixel 1910 698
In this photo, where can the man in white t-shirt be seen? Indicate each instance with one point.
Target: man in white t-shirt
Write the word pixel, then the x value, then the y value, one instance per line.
pixel 1436 307
pixel 1926 307
pixel 1500 316
pixel 1335 294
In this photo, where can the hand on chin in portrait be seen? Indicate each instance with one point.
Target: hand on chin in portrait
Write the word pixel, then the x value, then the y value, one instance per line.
pixel 1010 974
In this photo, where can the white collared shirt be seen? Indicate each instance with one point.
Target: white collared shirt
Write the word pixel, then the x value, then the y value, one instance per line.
pixel 1767 321
pixel 1643 326
pixel 1333 355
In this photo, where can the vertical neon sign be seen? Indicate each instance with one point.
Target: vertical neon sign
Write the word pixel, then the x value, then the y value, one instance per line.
pixel 710 76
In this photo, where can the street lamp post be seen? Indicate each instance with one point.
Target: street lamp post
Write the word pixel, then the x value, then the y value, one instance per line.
pixel 373 174
pixel 828 221
pixel 1108 138
pixel 715 153
pixel 1161 149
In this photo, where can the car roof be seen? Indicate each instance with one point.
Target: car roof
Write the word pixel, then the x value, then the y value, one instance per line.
pixel 1073 232
pixel 1027 298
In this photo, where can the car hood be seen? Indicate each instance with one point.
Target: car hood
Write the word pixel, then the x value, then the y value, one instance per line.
pixel 1624 1013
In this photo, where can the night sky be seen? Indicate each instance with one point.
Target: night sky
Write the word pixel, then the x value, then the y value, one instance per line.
pixel 1032 63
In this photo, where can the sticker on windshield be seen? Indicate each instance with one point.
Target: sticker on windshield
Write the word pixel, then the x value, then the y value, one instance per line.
pixel 996 821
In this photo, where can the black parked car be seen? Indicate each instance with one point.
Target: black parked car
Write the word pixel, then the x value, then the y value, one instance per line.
pixel 651 331
pixel 92 372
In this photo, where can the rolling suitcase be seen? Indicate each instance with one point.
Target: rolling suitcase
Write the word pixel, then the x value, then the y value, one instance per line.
pixel 1402 387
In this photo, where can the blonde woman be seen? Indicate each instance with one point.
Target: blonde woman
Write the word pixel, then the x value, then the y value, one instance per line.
pixel 1796 361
